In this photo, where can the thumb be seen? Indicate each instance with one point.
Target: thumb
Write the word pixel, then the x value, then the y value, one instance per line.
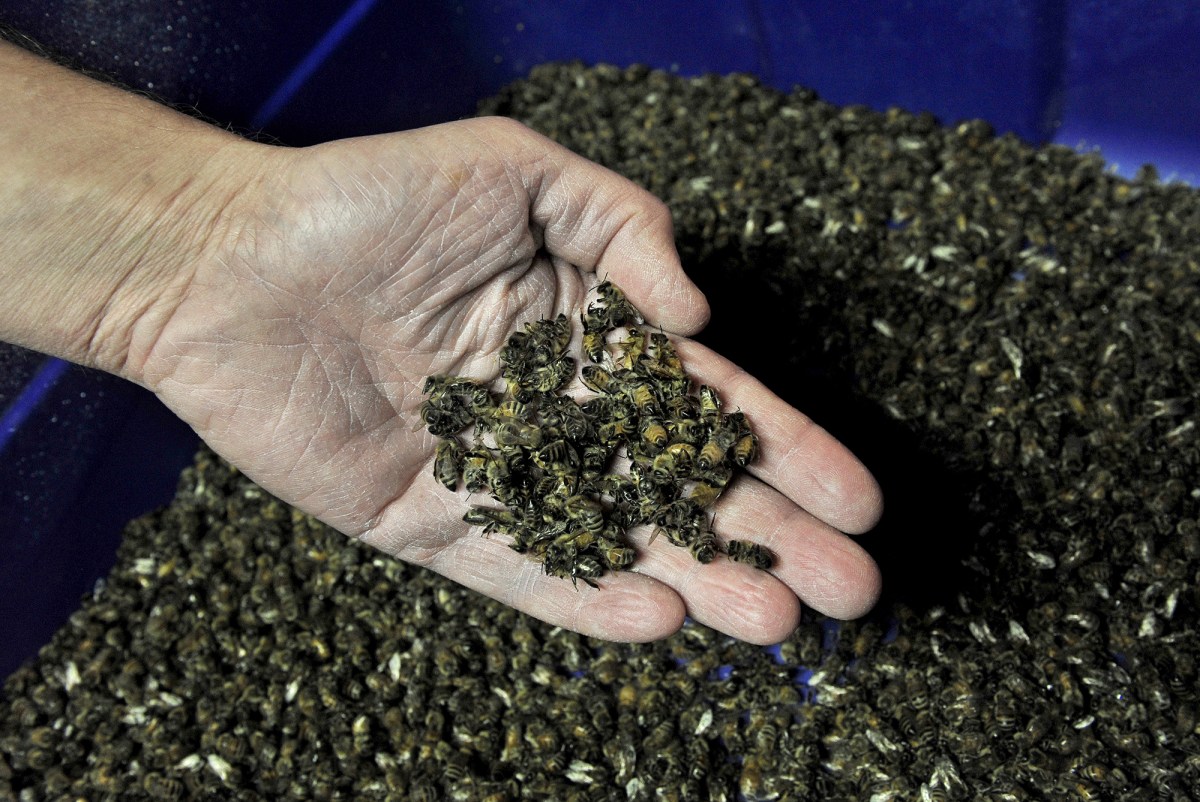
pixel 603 223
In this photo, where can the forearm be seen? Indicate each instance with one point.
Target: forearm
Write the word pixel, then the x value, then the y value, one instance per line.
pixel 107 200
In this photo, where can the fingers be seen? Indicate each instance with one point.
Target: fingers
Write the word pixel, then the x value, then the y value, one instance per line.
pixel 828 571
pixel 796 456
pixel 814 564
pixel 624 606
pixel 424 526
pixel 741 601
pixel 604 223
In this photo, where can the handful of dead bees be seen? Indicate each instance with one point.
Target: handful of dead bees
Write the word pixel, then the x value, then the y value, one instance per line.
pixel 552 461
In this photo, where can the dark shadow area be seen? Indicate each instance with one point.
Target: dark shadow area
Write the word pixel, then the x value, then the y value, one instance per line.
pixel 928 528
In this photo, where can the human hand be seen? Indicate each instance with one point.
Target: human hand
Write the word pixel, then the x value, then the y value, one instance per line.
pixel 344 274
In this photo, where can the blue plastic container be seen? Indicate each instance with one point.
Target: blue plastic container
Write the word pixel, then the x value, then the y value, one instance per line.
pixel 82 452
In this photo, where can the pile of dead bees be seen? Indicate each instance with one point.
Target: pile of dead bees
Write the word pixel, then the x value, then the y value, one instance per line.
pixel 553 463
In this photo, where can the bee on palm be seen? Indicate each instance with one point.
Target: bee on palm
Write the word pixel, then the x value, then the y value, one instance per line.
pixel 549 459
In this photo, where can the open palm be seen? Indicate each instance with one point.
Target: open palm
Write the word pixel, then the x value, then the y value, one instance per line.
pixel 353 270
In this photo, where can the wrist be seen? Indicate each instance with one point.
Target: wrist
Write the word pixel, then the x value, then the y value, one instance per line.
pixel 167 228
pixel 108 201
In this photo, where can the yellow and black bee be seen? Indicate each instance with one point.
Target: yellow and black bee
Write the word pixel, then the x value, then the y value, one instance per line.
pixel 552 376
pixel 616 430
pixel 653 432
pixel 710 405
pixel 745 449
pixel 633 348
pixel 493 520
pixel 660 359
pixel 598 379
pixel 454 403
pixel 474 469
pixel 594 343
pixel 586 512
pixel 560 412
pixel 516 433
pixel 617 555
pixel 684 455
pixel 744 551
pixel 611 311
pixel 557 458
pixel 704 495
pixel 448 463
pixel 703 546
pixel 714 449
pixel 641 393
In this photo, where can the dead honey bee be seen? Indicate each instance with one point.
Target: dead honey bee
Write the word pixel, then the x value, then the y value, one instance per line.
pixel 661 358
pixel 745 449
pixel 685 430
pixel 641 393
pixel 500 481
pixel 704 495
pixel 616 429
pixel 444 420
pixel 587 568
pixel 585 511
pixel 594 342
pixel 448 463
pixel 714 450
pixel 559 335
pixel 559 459
pixel 617 555
pixel 684 455
pixel 710 405
pixel 660 468
pixel 493 520
pixel 743 551
pixel 654 432
pixel 633 348
pixel 594 460
pixel 516 433
pixel 560 412
pixel 509 409
pixel 615 309
pixel 704 547
pixel 474 469
pixel 598 379
pixel 549 378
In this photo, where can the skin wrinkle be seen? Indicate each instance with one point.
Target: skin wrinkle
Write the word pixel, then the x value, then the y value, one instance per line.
pixel 743 600
pixel 362 286
pixel 823 590
pixel 182 203
pixel 520 592
pixel 441 248
pixel 568 219
pixel 613 610
pixel 756 501
pixel 559 213
pixel 760 610
pixel 576 617
pixel 368 531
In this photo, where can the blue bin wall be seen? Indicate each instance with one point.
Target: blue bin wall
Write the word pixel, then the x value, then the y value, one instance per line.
pixel 93 451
